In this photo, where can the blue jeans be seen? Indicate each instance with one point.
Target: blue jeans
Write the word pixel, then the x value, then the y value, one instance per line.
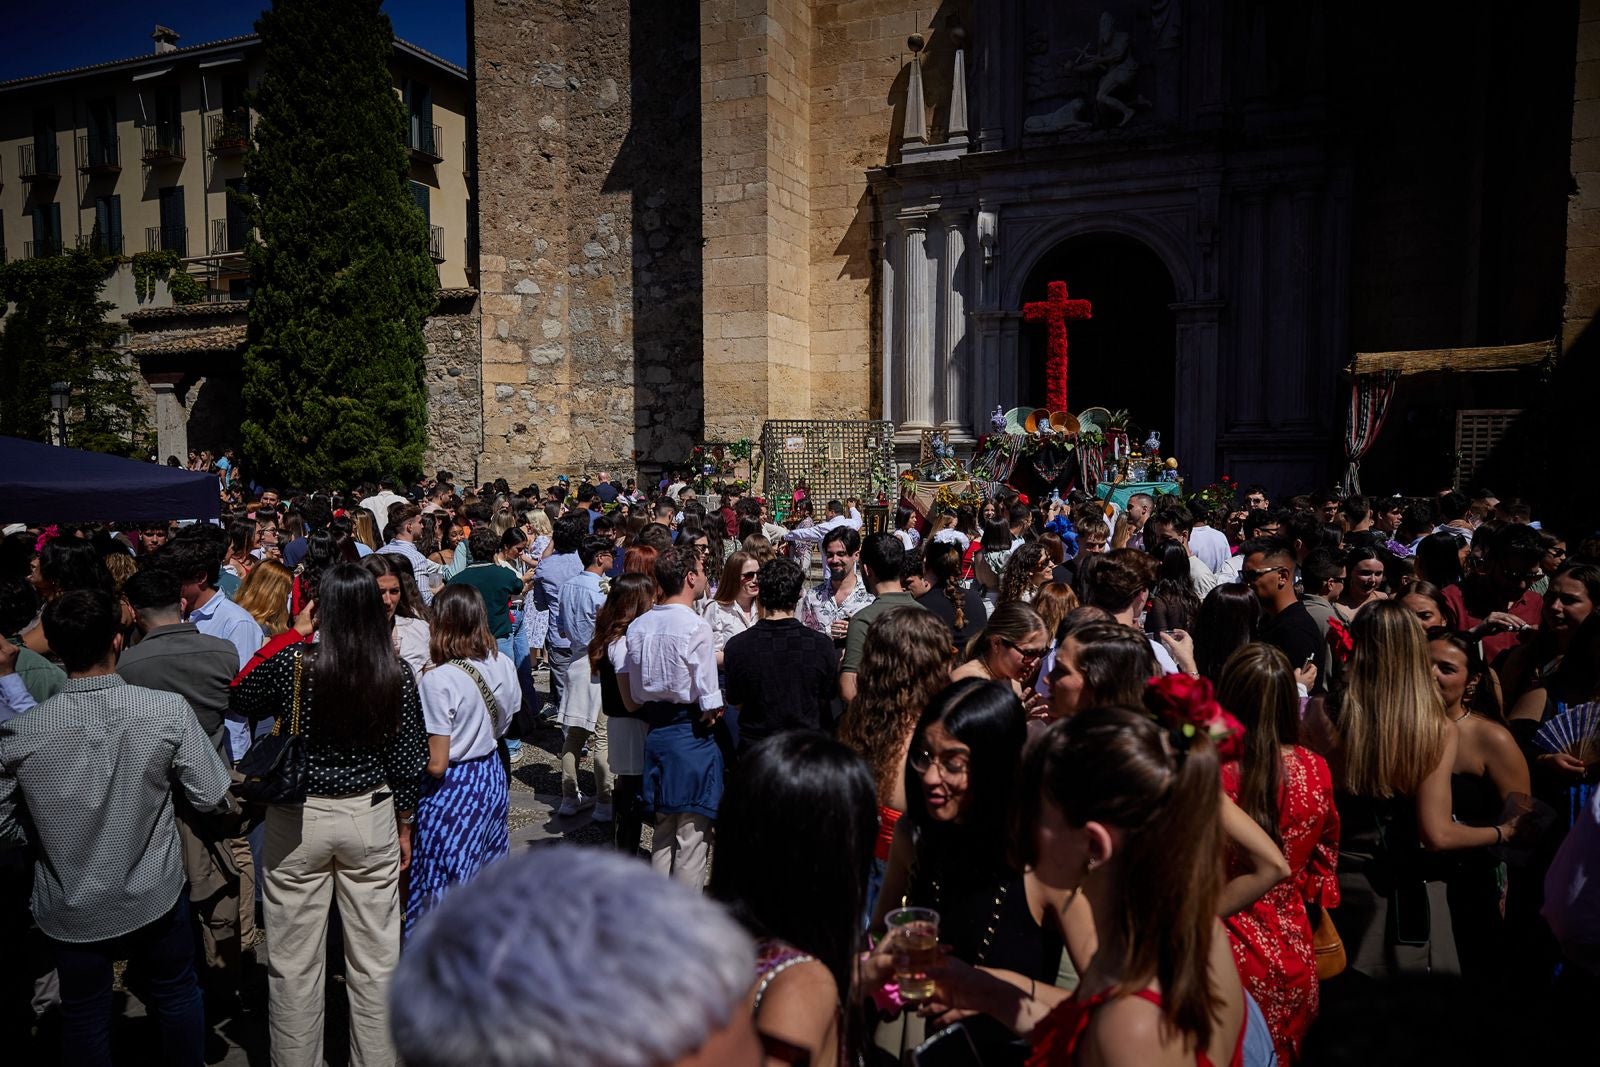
pixel 559 659
pixel 161 953
pixel 507 649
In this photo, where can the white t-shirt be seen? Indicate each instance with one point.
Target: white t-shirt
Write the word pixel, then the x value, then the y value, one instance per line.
pixel 1210 545
pixel 452 706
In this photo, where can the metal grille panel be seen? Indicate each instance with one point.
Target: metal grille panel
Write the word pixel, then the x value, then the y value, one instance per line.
pixel 837 458
pixel 1478 431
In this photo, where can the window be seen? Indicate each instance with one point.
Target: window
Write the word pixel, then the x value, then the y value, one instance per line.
pixel 419 117
pixel 102 130
pixel 106 240
pixel 173 233
pixel 46 230
pixel 45 161
pixel 1478 433
pixel 419 196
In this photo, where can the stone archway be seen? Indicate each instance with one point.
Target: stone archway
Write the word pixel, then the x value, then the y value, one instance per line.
pixel 1125 356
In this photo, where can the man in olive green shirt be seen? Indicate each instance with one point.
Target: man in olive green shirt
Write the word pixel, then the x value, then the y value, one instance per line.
pixel 881 557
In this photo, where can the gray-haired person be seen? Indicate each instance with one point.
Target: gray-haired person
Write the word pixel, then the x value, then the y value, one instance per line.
pixel 515 969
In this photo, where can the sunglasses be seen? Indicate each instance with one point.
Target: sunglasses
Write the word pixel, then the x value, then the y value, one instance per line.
pixel 749 576
pixel 1025 653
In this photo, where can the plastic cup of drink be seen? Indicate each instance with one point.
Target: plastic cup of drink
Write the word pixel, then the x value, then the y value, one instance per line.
pixel 914 943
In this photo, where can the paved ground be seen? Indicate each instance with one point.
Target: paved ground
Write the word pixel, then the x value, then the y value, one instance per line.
pixel 239 1035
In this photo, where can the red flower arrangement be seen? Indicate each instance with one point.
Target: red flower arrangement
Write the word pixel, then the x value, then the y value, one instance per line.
pixel 1187 707
pixel 1339 640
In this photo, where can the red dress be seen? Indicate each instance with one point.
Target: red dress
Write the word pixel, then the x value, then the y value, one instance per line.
pixel 1271 939
pixel 1056 1038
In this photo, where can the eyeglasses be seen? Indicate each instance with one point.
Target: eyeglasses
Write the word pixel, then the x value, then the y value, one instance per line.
pixel 951 768
pixel 1249 576
pixel 1558 553
pixel 1025 653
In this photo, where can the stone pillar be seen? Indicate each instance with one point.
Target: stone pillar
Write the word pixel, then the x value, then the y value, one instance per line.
pixel 918 366
pixel 172 421
pixel 956 415
pixel 1197 418
pixel 890 351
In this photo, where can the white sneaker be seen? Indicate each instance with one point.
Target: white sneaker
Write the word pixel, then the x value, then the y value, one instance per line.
pixel 602 813
pixel 570 805
pixel 519 754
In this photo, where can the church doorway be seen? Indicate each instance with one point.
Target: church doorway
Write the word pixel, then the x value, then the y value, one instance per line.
pixel 1125 356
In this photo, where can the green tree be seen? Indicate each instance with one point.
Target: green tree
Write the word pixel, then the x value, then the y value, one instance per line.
pixel 333 389
pixel 56 331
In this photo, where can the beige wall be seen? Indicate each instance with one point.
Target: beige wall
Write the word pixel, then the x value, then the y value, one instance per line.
pixel 798 100
pixel 202 175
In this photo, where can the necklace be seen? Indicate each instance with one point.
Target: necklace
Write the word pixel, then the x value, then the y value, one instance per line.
pixel 994 917
pixel 1463 715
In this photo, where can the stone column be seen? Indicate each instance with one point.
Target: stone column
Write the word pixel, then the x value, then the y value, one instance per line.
pixel 172 422
pixel 956 415
pixel 1197 419
pixel 918 366
pixel 892 346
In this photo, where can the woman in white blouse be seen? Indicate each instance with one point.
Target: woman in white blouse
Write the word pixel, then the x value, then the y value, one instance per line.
pixel 468 697
pixel 733 611
pixel 407 621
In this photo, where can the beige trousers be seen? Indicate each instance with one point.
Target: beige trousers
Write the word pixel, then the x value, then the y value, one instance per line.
pixel 571 752
pixel 344 847
pixel 679 847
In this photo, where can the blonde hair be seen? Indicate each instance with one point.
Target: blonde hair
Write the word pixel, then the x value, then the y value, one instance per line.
pixel 540 523
pixel 363 528
pixel 1392 720
pixel 264 593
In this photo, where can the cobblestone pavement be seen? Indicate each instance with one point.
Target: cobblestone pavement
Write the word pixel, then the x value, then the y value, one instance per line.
pixel 238 1035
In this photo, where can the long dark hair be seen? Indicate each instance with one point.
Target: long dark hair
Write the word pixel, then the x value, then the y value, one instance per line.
pixel 359 676
pixel 1439 558
pixel 398 567
pixel 1258 687
pixel 794 846
pixel 1228 619
pixel 1117 767
pixel 987 717
pixel 1173 585
pixel 324 549
pixel 631 595
pixel 942 562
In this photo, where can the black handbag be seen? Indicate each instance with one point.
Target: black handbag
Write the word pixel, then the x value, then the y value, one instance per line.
pixel 274 769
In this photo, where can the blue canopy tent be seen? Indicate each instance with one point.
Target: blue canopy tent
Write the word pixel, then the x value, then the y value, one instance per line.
pixel 43 484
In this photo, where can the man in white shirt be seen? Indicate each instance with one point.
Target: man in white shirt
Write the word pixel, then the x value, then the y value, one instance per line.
pixel 1175 523
pixel 670 674
pixel 836 519
pixel 379 503
pixel 196 564
pixel 406 528
pixel 1206 542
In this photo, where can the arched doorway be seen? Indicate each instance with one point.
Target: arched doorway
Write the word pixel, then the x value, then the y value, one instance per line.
pixel 1126 355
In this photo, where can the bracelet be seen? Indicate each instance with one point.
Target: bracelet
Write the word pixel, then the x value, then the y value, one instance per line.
pixel 1033 988
pixel 1499 837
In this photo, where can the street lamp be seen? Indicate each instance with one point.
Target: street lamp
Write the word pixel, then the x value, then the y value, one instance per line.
pixel 60 393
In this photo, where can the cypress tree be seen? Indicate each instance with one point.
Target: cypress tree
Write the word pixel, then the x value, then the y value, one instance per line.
pixel 333 369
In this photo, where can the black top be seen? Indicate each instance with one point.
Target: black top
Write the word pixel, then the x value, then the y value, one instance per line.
pixel 338 770
pixel 971 896
pixel 1295 633
pixel 971 607
pixel 781 675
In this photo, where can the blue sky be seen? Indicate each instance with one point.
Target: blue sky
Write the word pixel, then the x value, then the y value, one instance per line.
pixel 47 35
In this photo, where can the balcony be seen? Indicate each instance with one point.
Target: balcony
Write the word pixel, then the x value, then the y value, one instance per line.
pixel 101 244
pixel 228 135
pixel 227 237
pixel 436 243
pixel 162 144
pixel 38 162
pixel 50 246
pixel 426 143
pixel 99 155
pixel 167 239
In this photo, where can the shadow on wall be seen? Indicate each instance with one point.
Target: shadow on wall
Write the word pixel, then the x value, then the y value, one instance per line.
pixel 216 407
pixel 659 163
pixel 1545 455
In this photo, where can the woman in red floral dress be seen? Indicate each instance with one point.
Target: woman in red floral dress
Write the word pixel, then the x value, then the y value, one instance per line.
pixel 1289 792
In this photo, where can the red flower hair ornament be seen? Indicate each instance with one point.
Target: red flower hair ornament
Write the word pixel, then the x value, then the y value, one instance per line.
pixel 1188 707
pixel 1339 640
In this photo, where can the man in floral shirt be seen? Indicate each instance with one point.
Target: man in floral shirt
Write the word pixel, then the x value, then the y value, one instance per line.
pixel 827 608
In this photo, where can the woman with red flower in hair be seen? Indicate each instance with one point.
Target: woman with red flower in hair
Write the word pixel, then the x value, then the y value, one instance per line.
pixel 1288 791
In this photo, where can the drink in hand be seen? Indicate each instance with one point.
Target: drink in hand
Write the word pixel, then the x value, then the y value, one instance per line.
pixel 914 941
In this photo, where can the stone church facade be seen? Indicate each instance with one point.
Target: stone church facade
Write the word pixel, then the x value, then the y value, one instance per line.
pixel 698 216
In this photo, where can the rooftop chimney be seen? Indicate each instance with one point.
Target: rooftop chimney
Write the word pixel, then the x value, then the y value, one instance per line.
pixel 166 39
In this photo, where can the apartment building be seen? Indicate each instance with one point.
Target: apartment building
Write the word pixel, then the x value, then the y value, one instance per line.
pixel 141 153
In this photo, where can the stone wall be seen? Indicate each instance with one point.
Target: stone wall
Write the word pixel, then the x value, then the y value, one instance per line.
pixel 1583 208
pixel 588 234
pixel 453 375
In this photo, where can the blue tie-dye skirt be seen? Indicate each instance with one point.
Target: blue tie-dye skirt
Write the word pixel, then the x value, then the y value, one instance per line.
pixel 461 827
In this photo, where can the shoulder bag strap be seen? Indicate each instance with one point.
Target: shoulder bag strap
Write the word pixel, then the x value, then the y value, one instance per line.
pixel 294 702
pixel 483 688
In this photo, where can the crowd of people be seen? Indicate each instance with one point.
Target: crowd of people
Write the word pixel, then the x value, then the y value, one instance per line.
pixel 1176 784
